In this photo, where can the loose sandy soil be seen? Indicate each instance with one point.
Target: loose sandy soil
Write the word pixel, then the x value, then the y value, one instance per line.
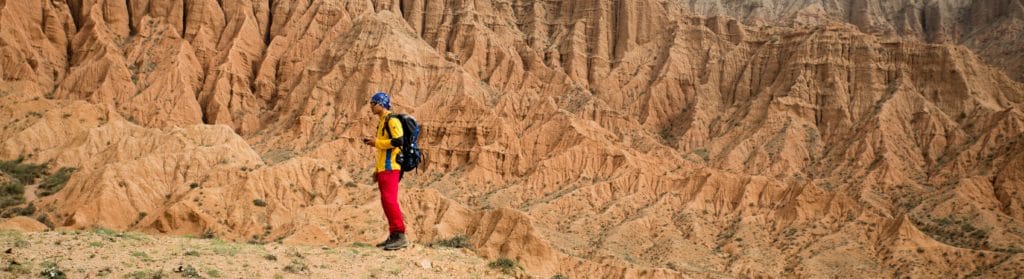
pixel 108 254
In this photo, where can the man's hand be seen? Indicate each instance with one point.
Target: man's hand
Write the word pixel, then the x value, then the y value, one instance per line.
pixel 368 141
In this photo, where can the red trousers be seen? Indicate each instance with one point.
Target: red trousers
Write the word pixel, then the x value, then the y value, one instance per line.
pixel 387 183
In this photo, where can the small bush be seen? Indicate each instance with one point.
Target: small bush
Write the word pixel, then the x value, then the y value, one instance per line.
pixel 19 239
pixel 213 272
pixel 51 271
pixel 193 185
pixel 256 240
pixel 142 256
pixel 45 219
pixel 26 211
pixel 297 266
pixel 188 271
pixel 11 194
pixel 17 268
pixel 145 274
pixel 458 241
pixel 702 152
pixel 259 202
pixel 559 276
pixel 105 231
pixel 506 265
pixel 54 183
pixel 224 248
pixel 21 243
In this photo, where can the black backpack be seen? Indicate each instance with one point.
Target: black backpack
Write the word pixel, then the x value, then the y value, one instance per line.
pixel 411 155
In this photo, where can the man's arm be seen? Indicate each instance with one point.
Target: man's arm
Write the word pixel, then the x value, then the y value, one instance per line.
pixel 396 135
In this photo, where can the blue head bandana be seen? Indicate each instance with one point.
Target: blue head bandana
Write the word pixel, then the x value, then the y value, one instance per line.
pixel 382 99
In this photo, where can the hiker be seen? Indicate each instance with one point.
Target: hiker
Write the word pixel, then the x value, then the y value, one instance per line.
pixel 388 172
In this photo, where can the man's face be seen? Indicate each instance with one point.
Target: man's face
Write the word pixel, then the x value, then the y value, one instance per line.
pixel 376 108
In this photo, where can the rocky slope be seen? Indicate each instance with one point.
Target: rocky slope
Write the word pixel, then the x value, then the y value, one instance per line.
pixel 990 28
pixel 586 138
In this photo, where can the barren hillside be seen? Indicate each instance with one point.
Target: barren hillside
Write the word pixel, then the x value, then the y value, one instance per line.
pixel 598 138
pixel 990 28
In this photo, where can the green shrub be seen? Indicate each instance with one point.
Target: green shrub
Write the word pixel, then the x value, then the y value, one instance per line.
pixel 189 272
pixel 51 271
pixel 297 266
pixel 24 173
pixel 506 265
pixel 458 241
pixel 11 194
pixel 145 274
pixel 702 152
pixel 213 272
pixel 142 256
pixel 16 268
pixel 53 183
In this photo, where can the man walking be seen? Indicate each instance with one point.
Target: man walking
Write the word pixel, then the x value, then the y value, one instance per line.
pixel 388 172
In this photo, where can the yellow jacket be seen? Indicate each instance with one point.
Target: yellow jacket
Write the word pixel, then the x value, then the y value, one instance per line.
pixel 387 155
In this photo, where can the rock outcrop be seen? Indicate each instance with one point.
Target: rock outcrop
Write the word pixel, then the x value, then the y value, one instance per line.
pixel 585 138
pixel 990 28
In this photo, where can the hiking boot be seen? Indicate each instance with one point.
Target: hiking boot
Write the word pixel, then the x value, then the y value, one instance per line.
pixel 398 243
pixel 391 237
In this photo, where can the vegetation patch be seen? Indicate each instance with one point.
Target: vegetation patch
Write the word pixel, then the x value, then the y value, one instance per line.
pixel 702 152
pixel 11 193
pixel 458 241
pixel 54 183
pixel 26 173
pixel 146 274
pixel 213 272
pixel 18 268
pixel 954 231
pixel 507 266
pixel 111 234
pixel 297 266
pixel 142 256
pixel 51 271
pixel 17 174
pixel 188 271
pixel 223 248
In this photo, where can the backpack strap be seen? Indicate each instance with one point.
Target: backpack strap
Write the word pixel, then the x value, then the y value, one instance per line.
pixel 387 125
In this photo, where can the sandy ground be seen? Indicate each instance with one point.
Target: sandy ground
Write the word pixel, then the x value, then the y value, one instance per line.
pixel 108 254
